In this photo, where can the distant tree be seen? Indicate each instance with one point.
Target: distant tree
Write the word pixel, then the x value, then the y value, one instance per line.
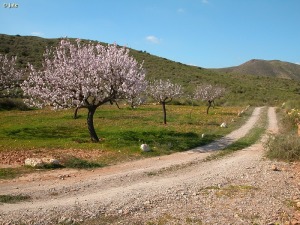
pixel 134 94
pixel 83 76
pixel 135 102
pixel 164 92
pixel 10 76
pixel 208 93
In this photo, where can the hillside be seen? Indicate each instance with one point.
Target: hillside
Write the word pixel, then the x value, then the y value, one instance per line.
pixel 268 68
pixel 241 89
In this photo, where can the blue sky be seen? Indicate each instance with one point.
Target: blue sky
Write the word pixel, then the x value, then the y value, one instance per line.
pixel 206 33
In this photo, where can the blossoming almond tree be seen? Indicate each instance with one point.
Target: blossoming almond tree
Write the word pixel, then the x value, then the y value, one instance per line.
pixel 10 76
pixel 209 93
pixel 164 91
pixel 134 97
pixel 83 76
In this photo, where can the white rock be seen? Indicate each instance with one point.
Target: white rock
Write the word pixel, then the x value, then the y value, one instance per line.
pixel 37 162
pixel 223 125
pixel 33 162
pixel 145 148
pixel 50 161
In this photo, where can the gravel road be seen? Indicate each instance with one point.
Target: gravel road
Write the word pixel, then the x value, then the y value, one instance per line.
pixel 182 188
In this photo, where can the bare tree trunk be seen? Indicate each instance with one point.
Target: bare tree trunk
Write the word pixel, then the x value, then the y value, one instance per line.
pixel 132 104
pixel 117 105
pixel 90 122
pixel 209 105
pixel 165 112
pixel 213 102
pixel 112 102
pixel 75 113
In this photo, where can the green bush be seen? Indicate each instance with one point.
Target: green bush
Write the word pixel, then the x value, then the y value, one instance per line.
pixel 13 198
pixel 286 145
pixel 291 104
pixel 12 104
pixel 76 163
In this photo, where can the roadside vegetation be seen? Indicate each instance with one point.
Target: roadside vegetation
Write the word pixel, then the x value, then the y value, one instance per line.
pixel 13 198
pixel 286 145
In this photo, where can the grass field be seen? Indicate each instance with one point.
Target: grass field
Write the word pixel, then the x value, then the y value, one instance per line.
pixel 55 133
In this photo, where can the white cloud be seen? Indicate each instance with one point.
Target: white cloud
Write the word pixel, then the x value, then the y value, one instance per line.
pixel 205 1
pixel 153 39
pixel 36 33
pixel 298 63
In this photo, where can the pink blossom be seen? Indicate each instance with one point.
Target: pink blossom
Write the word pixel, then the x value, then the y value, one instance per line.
pixel 84 76
pixel 10 76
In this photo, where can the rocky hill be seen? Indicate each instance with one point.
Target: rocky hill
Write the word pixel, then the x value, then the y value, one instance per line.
pixel 267 68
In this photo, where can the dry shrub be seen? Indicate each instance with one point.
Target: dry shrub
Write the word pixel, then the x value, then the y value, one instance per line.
pixel 283 147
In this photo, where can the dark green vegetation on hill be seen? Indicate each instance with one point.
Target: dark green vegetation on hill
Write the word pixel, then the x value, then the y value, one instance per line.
pixel 241 89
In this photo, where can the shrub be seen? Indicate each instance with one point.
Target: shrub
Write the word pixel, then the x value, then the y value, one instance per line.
pixel 291 104
pixel 13 198
pixel 12 104
pixel 73 162
pixel 283 147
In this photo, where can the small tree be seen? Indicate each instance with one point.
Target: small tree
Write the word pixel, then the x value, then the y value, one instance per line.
pixel 10 76
pixel 208 93
pixel 83 76
pixel 134 97
pixel 164 92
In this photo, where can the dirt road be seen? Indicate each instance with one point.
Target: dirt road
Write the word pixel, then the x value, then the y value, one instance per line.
pixel 182 188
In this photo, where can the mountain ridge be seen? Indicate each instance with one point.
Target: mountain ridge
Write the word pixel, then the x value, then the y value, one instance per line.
pixel 31 48
pixel 240 89
pixel 266 68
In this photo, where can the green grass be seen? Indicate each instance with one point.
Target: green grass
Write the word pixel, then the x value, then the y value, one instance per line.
pixel 121 132
pixel 13 198
pixel 10 173
pixel 76 163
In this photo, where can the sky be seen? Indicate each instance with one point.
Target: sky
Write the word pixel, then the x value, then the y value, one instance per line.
pixel 205 33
